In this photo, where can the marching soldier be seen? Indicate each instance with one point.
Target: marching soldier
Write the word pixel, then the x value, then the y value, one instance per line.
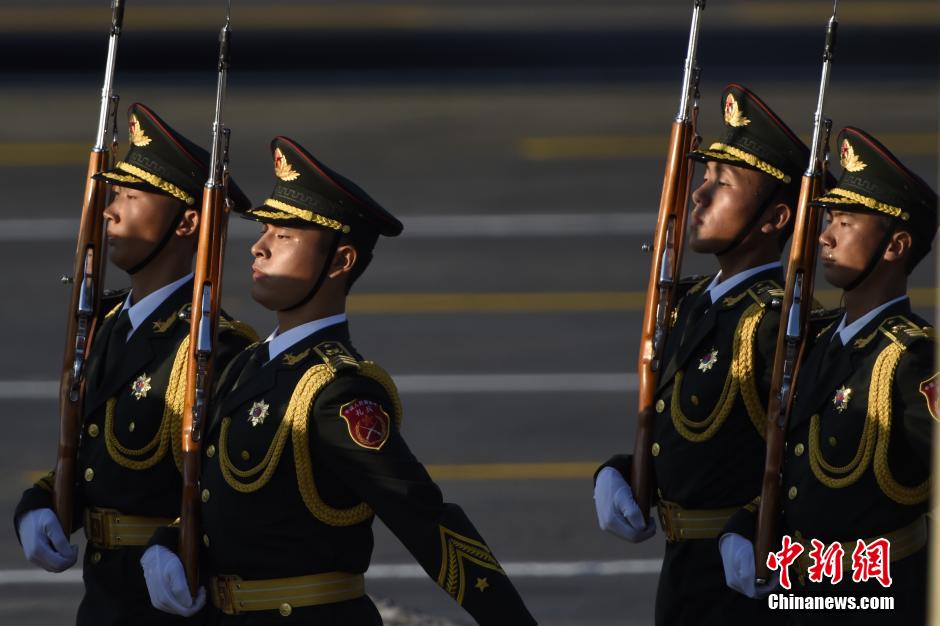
pixel 305 447
pixel 708 446
pixel 857 463
pixel 129 457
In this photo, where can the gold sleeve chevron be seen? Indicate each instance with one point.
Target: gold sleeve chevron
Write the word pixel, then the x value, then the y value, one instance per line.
pixel 45 483
pixel 456 551
pixel 295 426
pixel 112 312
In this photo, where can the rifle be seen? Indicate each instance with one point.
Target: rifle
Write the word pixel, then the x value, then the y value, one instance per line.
pixel 204 319
pixel 797 302
pixel 667 260
pixel 87 280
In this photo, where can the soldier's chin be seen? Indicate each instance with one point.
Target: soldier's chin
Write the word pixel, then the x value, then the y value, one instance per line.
pixel 265 296
pixel 704 245
pixel 120 260
pixel 837 275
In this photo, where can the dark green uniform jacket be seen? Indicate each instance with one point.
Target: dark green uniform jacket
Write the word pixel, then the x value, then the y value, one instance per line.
pixel 708 450
pixel 300 455
pixel 857 461
pixel 129 454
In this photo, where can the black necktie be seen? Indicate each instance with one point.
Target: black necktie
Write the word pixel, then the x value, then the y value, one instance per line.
pixel 117 342
pixel 255 362
pixel 833 350
pixel 816 369
pixel 697 313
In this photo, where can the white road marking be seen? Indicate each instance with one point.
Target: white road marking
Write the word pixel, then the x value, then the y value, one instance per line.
pixel 598 382
pixel 416 226
pixel 403 571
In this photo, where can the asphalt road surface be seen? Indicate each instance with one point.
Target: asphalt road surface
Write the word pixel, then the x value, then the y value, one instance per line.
pixel 509 311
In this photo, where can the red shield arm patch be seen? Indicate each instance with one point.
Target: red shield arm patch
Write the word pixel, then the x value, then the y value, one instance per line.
pixel 367 422
pixel 928 389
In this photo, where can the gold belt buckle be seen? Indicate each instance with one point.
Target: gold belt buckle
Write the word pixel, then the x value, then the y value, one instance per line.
pixel 226 599
pixel 99 526
pixel 666 519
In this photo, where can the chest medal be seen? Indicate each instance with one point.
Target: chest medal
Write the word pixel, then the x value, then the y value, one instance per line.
pixel 140 386
pixel 708 361
pixel 842 397
pixel 257 412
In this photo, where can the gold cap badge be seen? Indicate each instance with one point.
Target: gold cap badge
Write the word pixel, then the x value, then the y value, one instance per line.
pixel 137 135
pixel 733 115
pixel 849 159
pixel 283 169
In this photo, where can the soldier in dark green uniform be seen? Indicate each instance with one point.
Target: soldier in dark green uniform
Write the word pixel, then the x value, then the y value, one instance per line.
pixel 306 447
pixel 858 456
pixel 129 479
pixel 708 444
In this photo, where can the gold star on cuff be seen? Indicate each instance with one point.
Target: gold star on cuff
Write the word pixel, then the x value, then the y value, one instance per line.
pixel 482 584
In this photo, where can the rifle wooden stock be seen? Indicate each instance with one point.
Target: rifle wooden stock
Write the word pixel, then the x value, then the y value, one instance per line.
pixel 801 264
pixel 209 257
pixel 89 262
pixel 660 299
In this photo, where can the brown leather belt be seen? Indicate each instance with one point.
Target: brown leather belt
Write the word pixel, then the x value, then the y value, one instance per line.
pixel 680 524
pixel 110 529
pixel 233 595
pixel 904 542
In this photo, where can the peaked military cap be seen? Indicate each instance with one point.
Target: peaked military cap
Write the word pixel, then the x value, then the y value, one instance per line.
pixel 873 179
pixel 307 193
pixel 160 160
pixel 756 138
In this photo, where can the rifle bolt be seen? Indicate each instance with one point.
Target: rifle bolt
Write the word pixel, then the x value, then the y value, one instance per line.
pixel 646 247
pixel 66 279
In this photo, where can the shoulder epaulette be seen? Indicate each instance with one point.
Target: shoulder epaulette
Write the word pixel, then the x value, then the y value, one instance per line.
pixel 337 357
pixel 238 327
pixel 903 331
pixel 821 320
pixel 114 294
pixel 767 293
pixel 111 301
pixel 693 284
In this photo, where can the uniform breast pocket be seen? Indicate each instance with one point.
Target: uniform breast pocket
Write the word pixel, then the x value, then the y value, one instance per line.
pixel 840 439
pixel 139 425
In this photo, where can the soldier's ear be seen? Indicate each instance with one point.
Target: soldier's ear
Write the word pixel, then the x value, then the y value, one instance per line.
pixel 188 224
pixel 344 260
pixel 899 247
pixel 778 218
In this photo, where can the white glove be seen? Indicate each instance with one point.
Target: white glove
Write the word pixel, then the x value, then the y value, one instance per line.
pixel 44 541
pixel 737 557
pixel 166 583
pixel 617 511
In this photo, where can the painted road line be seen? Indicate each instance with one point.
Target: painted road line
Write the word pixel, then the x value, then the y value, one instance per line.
pixel 472 472
pixel 600 147
pixel 403 571
pixel 531 225
pixel 516 383
pixel 551 148
pixel 544 302
pixel 575 382
pixel 509 471
pixel 418 15
pixel 547 302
